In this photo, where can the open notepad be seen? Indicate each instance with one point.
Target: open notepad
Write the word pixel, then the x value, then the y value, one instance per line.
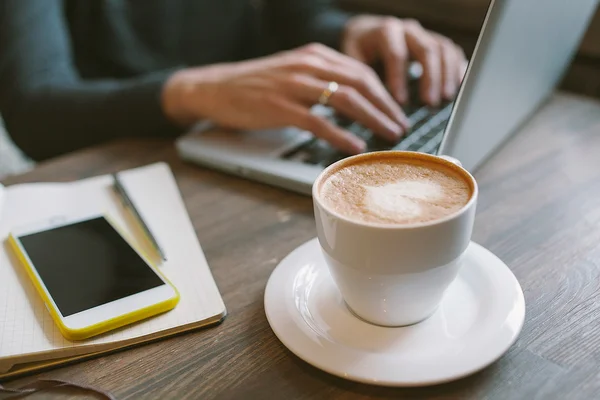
pixel 29 339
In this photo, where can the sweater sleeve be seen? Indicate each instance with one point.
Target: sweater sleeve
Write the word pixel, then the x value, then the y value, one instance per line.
pixel 47 107
pixel 298 22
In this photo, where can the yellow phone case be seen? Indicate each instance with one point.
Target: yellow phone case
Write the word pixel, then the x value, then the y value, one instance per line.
pixel 104 326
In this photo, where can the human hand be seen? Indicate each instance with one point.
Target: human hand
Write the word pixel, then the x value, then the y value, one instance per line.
pixel 394 42
pixel 279 90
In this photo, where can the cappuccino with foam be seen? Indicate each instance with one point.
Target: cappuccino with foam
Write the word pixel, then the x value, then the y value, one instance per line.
pixel 395 189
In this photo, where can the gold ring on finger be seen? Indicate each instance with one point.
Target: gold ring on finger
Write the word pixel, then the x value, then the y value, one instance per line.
pixel 329 91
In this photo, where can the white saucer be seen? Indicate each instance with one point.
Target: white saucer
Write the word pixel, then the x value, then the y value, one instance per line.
pixel 479 318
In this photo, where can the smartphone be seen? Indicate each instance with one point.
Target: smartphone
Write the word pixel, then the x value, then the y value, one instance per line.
pixel 90 277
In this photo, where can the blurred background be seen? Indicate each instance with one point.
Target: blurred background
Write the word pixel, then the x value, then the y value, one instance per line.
pixel 458 19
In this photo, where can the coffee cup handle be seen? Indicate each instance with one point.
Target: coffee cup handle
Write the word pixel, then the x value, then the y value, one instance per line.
pixel 451 159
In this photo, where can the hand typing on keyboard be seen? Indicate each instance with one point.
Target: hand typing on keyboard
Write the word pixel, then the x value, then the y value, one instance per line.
pixel 393 42
pixel 280 90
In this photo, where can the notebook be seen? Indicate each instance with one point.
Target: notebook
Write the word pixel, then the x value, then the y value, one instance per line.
pixel 29 339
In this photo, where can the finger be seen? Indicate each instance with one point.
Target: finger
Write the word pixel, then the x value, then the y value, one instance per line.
pixel 395 58
pixel 330 65
pixel 349 71
pixel 353 50
pixel 449 61
pixel 372 89
pixel 333 56
pixel 426 50
pixel 348 101
pixel 301 117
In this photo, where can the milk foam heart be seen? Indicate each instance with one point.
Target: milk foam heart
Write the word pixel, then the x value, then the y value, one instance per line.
pixel 390 190
pixel 402 198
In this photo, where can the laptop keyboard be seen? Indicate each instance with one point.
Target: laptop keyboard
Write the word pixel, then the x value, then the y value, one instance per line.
pixel 427 129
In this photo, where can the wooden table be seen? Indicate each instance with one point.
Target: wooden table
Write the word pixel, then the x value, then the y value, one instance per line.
pixel 539 211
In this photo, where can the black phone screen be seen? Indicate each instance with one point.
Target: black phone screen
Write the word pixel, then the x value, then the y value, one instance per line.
pixel 87 264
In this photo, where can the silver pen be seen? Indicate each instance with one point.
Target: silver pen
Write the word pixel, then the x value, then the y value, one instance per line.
pixel 122 192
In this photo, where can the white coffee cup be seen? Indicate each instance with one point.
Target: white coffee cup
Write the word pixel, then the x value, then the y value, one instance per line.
pixel 394 275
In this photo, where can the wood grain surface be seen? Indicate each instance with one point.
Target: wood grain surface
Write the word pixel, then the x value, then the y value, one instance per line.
pixel 539 211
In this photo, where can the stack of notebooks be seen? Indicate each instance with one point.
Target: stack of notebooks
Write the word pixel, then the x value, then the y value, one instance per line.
pixel 29 339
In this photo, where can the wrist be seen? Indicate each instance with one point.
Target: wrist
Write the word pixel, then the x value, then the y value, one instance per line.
pixel 173 99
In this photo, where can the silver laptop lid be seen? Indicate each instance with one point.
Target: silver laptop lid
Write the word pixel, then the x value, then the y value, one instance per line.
pixel 521 54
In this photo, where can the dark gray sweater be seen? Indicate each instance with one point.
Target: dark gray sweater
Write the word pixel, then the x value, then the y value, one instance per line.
pixel 75 73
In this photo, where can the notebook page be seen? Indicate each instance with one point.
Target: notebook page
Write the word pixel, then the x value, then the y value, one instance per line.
pixel 28 333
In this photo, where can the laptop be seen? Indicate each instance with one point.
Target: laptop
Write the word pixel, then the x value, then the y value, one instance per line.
pixel 522 51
